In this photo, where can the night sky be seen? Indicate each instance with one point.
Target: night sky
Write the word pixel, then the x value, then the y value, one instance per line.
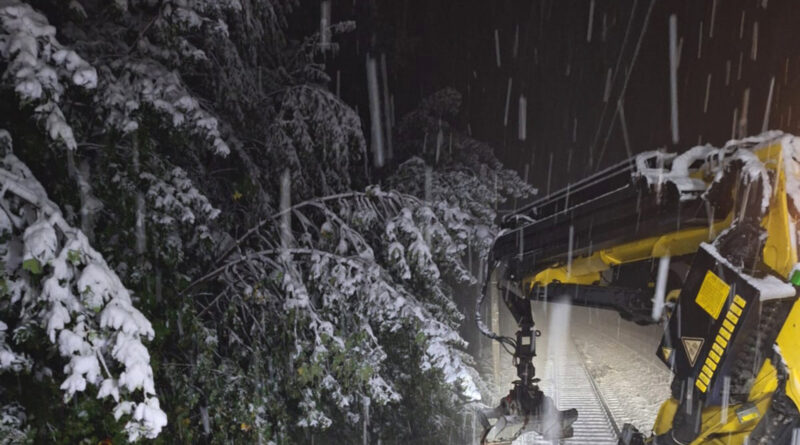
pixel 563 71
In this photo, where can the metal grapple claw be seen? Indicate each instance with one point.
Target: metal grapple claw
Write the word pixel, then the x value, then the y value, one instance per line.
pixel 526 409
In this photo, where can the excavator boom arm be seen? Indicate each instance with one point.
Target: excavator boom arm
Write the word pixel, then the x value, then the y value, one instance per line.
pixel 698 242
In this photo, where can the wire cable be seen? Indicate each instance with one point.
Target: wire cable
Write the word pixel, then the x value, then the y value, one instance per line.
pixel 627 78
pixel 628 28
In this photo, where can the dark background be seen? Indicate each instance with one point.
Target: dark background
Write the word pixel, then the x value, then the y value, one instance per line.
pixel 431 44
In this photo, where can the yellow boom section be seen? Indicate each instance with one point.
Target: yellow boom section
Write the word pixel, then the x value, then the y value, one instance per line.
pixel 780 249
pixel 587 270
pixel 779 253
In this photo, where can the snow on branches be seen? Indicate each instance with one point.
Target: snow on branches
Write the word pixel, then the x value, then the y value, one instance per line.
pixel 38 66
pixel 177 207
pixel 128 85
pixel 461 171
pixel 361 266
pixel 12 424
pixel 320 140
pixel 40 70
pixel 55 281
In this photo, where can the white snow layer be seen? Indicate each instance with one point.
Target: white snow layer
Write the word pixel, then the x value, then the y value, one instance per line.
pixel 768 287
pixel 678 174
pixel 41 68
pixel 676 169
pixel 85 309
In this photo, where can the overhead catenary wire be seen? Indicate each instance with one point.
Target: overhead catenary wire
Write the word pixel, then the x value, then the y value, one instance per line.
pixel 628 28
pixel 627 79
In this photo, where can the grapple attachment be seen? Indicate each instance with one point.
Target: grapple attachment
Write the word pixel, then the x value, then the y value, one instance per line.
pixel 524 410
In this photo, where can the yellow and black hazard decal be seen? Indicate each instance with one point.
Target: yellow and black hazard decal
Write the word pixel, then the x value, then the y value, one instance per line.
pixel 713 294
pixel 720 343
pixel 692 345
pixel 715 308
pixel 666 353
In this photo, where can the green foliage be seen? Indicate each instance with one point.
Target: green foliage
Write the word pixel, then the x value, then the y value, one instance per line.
pixel 32 265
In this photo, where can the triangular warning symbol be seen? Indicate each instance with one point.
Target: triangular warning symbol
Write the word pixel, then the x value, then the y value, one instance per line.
pixel 692 346
pixel 666 352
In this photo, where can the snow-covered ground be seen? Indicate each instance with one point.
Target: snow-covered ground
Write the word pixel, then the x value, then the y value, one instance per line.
pixel 619 355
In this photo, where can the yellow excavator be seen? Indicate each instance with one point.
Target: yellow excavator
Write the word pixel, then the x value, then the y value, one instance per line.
pixel 704 243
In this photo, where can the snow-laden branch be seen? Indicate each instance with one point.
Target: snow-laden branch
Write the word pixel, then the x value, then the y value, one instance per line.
pixel 319 203
pixel 361 266
pixel 58 281
pixel 39 68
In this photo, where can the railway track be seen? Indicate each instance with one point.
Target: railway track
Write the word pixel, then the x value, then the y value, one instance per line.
pixel 571 386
